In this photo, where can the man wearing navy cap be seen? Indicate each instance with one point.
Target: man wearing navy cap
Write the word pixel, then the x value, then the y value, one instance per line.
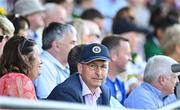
pixel 87 86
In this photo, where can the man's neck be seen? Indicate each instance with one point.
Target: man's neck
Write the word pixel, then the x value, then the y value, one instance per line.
pixel 112 73
pixel 58 57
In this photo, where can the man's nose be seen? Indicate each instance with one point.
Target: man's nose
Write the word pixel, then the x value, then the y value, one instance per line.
pixel 99 71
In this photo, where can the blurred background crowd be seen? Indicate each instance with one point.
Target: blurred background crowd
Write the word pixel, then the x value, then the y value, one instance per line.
pixel 150 26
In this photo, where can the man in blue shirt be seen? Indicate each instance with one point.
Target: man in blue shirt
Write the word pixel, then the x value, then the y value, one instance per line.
pixel 158 87
pixel 120 53
pixel 58 39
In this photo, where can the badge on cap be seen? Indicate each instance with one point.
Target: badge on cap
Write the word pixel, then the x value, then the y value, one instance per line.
pixel 96 49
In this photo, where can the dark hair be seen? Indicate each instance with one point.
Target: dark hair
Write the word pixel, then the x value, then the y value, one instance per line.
pixel 156 12
pixel 79 2
pixel 18 56
pixel 19 22
pixel 123 21
pixel 74 58
pixel 55 1
pixel 91 14
pixel 55 31
pixel 112 41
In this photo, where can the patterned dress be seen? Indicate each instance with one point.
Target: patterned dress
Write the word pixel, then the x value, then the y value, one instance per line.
pixel 17 85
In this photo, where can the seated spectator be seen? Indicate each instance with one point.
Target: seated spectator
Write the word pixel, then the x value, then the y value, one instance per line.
pixel 58 39
pixel 21 25
pixel 34 12
pixel 158 87
pixel 87 85
pixel 6 31
pixel 120 53
pixel 20 64
pixel 95 16
pixel 74 59
pixel 124 24
pixel 87 31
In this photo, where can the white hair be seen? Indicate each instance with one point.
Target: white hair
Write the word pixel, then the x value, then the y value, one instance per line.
pixel 158 65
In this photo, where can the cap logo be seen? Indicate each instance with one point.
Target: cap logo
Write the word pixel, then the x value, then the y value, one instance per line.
pixel 96 49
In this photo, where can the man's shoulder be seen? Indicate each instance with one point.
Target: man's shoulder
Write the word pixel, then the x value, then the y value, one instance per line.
pixel 71 86
pixel 104 87
pixel 71 82
pixel 106 91
pixel 141 90
pixel 142 95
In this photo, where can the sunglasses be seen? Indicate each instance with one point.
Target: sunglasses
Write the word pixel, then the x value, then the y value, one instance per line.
pixel 2 37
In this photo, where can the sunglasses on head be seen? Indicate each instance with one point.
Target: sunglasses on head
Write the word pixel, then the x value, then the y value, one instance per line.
pixel 2 37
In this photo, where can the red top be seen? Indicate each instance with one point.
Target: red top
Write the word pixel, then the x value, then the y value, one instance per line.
pixel 17 85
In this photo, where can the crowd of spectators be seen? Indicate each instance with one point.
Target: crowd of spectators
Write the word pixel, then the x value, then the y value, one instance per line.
pixel 118 53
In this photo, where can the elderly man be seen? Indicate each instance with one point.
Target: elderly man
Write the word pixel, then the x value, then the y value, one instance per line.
pixel 57 39
pixel 87 86
pixel 158 87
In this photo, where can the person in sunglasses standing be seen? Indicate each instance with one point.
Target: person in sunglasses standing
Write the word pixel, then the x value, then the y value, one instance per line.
pixel 87 86
pixel 6 31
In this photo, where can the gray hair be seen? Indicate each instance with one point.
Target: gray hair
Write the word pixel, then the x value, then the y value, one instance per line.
pixel 171 39
pixel 55 31
pixel 6 26
pixel 158 65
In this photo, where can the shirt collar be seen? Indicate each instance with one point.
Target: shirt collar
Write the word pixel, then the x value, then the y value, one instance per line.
pixel 47 55
pixel 155 91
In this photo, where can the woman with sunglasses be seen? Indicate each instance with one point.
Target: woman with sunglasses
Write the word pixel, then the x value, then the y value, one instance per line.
pixel 19 66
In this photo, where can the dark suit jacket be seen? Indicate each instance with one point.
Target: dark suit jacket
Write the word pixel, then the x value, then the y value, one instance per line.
pixel 71 91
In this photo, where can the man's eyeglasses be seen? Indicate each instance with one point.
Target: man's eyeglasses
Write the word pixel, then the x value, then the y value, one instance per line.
pixel 2 37
pixel 96 67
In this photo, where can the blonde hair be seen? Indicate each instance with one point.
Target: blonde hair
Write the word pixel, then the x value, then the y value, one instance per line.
pixel 6 26
pixel 81 28
pixel 170 39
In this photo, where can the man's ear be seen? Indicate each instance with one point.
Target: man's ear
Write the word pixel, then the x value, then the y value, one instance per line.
pixel 162 80
pixel 55 45
pixel 113 55
pixel 79 67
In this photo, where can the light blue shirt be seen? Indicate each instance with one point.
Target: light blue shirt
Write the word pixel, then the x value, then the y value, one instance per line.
pixel 36 38
pixel 52 73
pixel 147 96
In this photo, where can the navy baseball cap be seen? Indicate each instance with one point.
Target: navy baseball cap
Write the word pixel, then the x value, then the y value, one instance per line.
pixel 94 52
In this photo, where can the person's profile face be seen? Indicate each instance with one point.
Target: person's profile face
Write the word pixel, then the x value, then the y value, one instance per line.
pixel 170 83
pixel 36 64
pixel 122 55
pixel 94 73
